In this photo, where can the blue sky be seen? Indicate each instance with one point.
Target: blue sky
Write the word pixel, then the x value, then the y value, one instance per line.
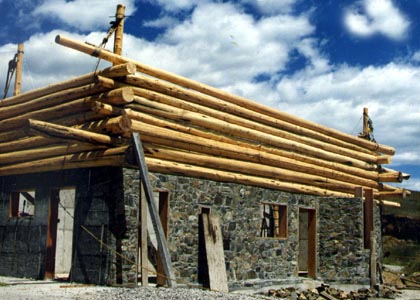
pixel 322 60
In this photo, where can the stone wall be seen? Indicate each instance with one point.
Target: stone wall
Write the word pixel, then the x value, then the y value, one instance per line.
pixel 248 256
pixel 342 256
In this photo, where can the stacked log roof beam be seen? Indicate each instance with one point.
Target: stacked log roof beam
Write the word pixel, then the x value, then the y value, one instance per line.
pixel 187 128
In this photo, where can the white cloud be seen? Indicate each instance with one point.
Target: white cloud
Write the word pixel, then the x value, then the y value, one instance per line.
pixel 370 17
pixel 272 7
pixel 416 56
pixel 221 45
pixel 81 14
pixel 164 22
pixel 177 5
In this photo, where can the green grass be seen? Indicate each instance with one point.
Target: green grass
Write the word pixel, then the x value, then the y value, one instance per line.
pixel 2 284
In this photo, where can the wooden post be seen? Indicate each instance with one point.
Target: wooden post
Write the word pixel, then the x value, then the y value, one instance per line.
pixel 119 31
pixel 18 78
pixel 372 259
pixel 157 226
pixel 52 233
pixel 143 237
pixel 368 217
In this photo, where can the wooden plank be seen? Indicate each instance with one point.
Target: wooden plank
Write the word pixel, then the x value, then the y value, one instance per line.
pixel 143 235
pixel 214 253
pixel 157 226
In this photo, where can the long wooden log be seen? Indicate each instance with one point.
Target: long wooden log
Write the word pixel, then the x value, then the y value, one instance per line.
pixel 280 139
pixel 206 89
pixel 22 144
pixel 166 167
pixel 365 174
pixel 247 168
pixel 119 96
pixel 328 156
pixel 52 99
pixel 44 152
pixel 112 72
pixel 55 112
pixel 64 132
pixel 235 114
pixel 68 120
pixel 154 134
pixel 101 158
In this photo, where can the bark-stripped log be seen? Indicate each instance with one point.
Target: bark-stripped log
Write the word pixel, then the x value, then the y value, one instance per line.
pixel 276 138
pixel 44 152
pixel 205 89
pixel 167 167
pixel 112 72
pixel 247 168
pixel 51 100
pixel 101 158
pixel 187 142
pixel 196 102
pixel 64 132
pixel 200 132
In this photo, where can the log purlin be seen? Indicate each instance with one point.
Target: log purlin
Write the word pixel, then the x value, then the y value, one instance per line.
pixel 190 129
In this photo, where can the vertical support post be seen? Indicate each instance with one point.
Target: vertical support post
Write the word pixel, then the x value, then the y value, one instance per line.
pixel 157 226
pixel 18 78
pixel 368 217
pixel 52 233
pixel 372 259
pixel 312 243
pixel 143 238
pixel 119 31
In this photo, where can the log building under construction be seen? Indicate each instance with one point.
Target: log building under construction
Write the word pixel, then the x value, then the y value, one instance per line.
pixel 235 190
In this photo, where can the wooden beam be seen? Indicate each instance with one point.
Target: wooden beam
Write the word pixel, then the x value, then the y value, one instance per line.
pixel 272 137
pixel 119 30
pixel 192 143
pixel 160 236
pixel 117 71
pixel 168 167
pixel 100 158
pixel 143 237
pixel 205 89
pixel 368 217
pixel 19 67
pixel 64 132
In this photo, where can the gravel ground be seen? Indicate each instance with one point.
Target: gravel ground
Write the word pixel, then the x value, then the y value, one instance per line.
pixel 22 289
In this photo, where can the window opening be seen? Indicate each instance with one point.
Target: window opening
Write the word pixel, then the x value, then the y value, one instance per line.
pixel 22 204
pixel 274 220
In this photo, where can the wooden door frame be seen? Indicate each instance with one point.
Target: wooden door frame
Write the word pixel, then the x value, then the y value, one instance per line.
pixel 52 233
pixel 312 249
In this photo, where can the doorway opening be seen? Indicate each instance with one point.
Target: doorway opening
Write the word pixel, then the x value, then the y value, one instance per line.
pixel 307 242
pixel 60 233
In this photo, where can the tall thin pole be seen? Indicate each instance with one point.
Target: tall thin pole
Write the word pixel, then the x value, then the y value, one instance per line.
pixel 119 31
pixel 18 78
